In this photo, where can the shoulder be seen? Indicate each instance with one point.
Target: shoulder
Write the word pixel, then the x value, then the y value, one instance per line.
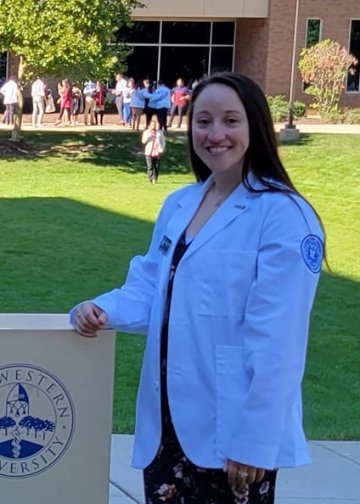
pixel 292 209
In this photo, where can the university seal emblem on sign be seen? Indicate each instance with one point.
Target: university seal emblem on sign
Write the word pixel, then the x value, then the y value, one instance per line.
pixel 36 420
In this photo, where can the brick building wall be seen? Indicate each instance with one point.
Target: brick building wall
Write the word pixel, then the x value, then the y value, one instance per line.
pixel 264 47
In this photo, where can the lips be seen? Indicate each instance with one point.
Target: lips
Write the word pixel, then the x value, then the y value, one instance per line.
pixel 218 149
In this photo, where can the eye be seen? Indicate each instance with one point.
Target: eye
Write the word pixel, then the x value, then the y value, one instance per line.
pixel 202 121
pixel 232 121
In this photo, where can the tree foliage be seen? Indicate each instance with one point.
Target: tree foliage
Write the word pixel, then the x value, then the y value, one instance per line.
pixel 70 38
pixel 324 67
pixel 64 38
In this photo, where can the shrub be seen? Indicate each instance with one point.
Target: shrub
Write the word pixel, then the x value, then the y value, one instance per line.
pixel 324 67
pixel 335 116
pixel 299 109
pixel 279 108
pixel 351 116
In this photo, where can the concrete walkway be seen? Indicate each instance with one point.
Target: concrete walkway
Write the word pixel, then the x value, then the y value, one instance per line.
pixel 332 478
pixel 110 125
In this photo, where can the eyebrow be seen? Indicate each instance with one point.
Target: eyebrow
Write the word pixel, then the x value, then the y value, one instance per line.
pixel 225 112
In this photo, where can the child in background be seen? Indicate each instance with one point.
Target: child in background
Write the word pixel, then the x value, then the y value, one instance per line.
pixel 154 141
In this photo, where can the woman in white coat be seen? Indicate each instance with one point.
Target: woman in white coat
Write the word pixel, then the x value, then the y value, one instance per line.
pixel 224 295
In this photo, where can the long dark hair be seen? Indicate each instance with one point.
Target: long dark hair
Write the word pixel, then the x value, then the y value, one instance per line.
pixel 262 156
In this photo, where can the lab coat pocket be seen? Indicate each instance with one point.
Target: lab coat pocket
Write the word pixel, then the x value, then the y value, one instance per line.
pixel 232 386
pixel 227 278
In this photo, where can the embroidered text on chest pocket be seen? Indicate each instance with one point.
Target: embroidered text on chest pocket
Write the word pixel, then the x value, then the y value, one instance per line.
pixel 226 282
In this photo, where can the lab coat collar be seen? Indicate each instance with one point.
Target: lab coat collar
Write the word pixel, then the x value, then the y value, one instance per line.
pixel 236 204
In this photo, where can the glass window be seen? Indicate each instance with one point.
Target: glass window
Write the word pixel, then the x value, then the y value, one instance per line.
pixel 353 77
pixel 223 32
pixel 190 63
pixel 313 32
pixel 3 66
pixel 141 32
pixel 221 59
pixel 142 63
pixel 179 32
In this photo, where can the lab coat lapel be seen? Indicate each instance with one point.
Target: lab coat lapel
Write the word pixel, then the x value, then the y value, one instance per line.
pixel 236 204
pixel 186 210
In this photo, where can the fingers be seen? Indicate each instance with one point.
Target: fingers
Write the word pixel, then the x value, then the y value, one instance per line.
pixel 260 473
pixel 240 475
pixel 89 319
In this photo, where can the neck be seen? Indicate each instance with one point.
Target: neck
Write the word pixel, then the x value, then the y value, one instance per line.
pixel 225 183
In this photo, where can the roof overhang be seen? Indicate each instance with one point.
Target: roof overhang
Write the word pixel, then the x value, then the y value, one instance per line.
pixel 202 9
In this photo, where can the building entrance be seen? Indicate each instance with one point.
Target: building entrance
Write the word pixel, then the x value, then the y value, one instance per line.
pixel 170 49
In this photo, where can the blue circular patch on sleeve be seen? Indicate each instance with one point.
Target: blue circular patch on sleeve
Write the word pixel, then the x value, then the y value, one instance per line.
pixel 312 251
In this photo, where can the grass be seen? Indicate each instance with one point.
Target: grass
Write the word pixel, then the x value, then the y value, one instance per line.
pixel 75 213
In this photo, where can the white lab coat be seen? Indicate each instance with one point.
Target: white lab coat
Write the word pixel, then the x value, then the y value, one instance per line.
pixel 238 328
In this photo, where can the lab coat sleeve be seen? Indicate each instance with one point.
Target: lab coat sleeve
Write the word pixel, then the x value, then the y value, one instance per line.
pixel 128 307
pixel 275 332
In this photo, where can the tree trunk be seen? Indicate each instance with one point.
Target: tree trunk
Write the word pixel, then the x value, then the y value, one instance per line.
pixel 15 136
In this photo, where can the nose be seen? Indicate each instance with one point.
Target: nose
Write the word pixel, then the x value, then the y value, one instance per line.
pixel 216 133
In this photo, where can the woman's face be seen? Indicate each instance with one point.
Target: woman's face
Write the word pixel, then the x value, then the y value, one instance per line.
pixel 220 129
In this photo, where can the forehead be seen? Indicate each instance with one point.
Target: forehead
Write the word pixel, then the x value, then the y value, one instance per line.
pixel 218 97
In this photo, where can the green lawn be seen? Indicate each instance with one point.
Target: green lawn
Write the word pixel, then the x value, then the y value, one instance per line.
pixel 75 213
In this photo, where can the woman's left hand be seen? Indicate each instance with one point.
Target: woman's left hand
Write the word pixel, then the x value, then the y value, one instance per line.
pixel 240 475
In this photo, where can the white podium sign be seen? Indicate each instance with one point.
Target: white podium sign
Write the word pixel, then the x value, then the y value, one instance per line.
pixel 56 396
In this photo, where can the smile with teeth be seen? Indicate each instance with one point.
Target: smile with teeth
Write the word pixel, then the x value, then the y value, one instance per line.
pixel 218 149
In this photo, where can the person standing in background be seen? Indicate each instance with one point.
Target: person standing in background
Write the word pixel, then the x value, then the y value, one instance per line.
pixel 179 99
pixel 89 110
pixel 127 94
pixel 160 102
pixel 77 105
pixel 154 141
pixel 119 94
pixel 10 92
pixel 100 98
pixel 137 105
pixel 38 100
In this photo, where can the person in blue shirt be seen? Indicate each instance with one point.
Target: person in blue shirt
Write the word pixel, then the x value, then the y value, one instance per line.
pixel 137 105
pixel 224 295
pixel 160 103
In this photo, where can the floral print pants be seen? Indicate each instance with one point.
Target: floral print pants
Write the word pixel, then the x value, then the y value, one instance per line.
pixel 172 479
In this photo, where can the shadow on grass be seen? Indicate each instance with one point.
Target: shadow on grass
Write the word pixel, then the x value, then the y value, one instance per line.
pixel 122 151
pixel 56 252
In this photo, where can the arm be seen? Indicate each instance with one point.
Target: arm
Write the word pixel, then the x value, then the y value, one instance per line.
pixel 145 136
pixel 275 332
pixel 126 308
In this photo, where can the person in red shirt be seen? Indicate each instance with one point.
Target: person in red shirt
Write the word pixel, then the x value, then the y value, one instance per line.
pixel 100 97
pixel 64 90
pixel 179 99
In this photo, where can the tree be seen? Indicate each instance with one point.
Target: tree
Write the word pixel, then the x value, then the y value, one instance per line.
pixel 6 423
pixel 324 67
pixel 71 38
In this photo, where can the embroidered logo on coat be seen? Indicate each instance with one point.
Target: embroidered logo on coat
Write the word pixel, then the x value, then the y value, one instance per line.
pixel 312 250
pixel 165 245
pixel 36 420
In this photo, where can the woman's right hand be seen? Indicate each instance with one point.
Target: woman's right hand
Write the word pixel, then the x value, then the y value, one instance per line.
pixel 89 319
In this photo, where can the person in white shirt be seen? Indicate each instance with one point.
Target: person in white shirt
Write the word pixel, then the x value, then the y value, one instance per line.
pixel 89 108
pixel 38 99
pixel 10 92
pixel 120 87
